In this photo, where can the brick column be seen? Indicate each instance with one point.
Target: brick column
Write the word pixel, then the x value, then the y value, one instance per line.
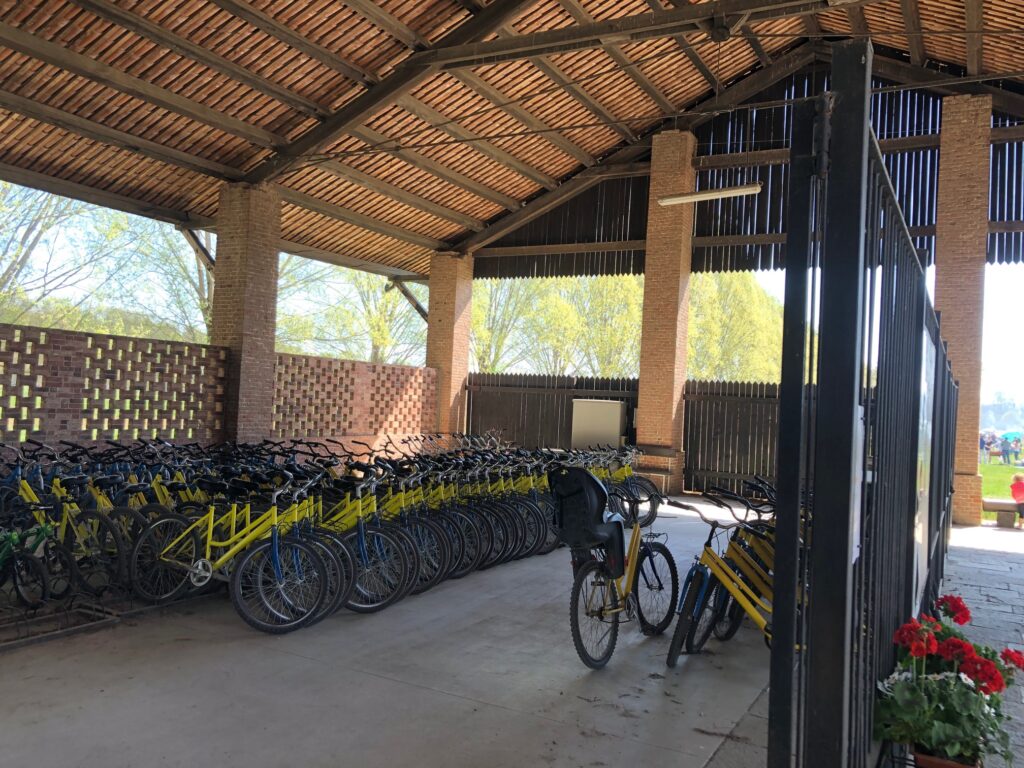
pixel 245 305
pixel 448 322
pixel 961 236
pixel 659 422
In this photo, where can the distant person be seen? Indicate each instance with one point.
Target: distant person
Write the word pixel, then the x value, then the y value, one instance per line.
pixel 983 449
pixel 1017 489
pixel 1006 450
pixel 1015 448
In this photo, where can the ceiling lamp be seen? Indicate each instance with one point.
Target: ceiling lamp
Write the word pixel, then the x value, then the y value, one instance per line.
pixel 711 194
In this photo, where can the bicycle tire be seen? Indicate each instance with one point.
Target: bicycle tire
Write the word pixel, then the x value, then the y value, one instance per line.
pixel 30 580
pixel 650 552
pixel 99 552
pixel 706 616
pixel 153 579
pixel 61 569
pixel 432 544
pixel 612 603
pixel 256 586
pixel 345 558
pixel 381 567
pixel 472 544
pixel 689 601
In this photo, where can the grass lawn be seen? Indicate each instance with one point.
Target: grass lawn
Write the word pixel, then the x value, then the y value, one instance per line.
pixel 995 483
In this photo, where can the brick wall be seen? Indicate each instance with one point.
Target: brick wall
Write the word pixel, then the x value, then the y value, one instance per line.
pixel 318 397
pixel 64 385
pixel 960 245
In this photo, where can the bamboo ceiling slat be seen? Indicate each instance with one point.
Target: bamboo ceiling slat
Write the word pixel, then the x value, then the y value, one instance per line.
pixel 1004 54
pixel 399 124
pixel 331 189
pixel 779 34
pixel 45 149
pixel 886 16
pixel 84 33
pixel 400 173
pixel 519 79
pixel 471 110
pixel 603 9
pixel 947 15
pixel 431 19
pixel 835 21
pixel 606 83
pixel 308 228
pixel 665 65
pixel 64 90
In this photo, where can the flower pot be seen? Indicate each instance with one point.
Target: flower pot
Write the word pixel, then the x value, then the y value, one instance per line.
pixel 931 761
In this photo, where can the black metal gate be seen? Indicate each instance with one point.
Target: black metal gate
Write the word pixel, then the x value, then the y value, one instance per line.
pixel 867 419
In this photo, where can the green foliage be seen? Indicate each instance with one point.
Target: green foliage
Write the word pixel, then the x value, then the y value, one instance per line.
pixel 591 327
pixel 941 715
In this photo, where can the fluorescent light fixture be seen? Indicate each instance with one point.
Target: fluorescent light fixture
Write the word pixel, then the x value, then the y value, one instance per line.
pixel 711 194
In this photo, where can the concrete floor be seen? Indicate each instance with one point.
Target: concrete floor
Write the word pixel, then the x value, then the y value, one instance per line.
pixel 477 672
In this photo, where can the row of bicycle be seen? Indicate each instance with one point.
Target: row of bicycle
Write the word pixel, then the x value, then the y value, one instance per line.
pixel 296 529
pixel 619 577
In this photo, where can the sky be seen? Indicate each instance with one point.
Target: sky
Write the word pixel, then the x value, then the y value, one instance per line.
pixel 1003 349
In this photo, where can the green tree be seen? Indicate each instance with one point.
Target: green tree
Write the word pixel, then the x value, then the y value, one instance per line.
pixel 611 313
pixel 551 329
pixel 499 306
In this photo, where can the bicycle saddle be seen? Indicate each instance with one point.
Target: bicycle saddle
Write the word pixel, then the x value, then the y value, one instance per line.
pixel 210 485
pixel 72 482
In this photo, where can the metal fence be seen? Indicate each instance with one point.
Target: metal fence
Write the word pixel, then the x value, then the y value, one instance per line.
pixel 867 393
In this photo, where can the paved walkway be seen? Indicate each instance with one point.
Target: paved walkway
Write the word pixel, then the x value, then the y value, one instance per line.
pixel 986 568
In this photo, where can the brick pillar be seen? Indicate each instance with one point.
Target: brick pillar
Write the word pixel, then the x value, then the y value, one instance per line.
pixel 659 421
pixel 448 322
pixel 245 305
pixel 961 236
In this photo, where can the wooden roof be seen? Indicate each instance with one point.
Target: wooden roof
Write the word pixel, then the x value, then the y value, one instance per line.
pixel 387 146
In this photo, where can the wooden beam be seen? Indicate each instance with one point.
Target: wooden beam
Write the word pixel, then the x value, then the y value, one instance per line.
pixel 912 21
pixel 101 133
pixel 96 196
pixel 688 50
pixel 428 164
pixel 493 95
pixel 742 159
pixel 337 212
pixel 58 56
pixel 1005 226
pixel 441 122
pixel 409 296
pixel 199 247
pixel 562 248
pixel 907 74
pixel 403 196
pixel 379 17
pixel 858 22
pixel 581 16
pixel 687 19
pixel 975 17
pixel 755 45
pixel 588 177
pixel 288 35
pixel 350 261
pixel 402 79
pixel 812 27
pixel 184 47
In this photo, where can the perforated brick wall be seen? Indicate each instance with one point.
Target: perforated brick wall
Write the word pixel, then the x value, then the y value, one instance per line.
pixel 317 397
pixel 63 385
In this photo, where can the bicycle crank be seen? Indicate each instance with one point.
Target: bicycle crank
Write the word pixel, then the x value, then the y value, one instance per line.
pixel 201 572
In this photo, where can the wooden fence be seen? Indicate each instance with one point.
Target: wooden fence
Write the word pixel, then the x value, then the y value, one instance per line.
pixel 729 428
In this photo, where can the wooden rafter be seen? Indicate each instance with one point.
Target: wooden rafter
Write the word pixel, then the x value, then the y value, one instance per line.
pixel 402 79
pixel 185 47
pixel 912 21
pixel 627 156
pixel 59 56
pixel 430 165
pixel 858 21
pixel 684 20
pixel 755 45
pixel 339 213
pixel 580 14
pixel 688 50
pixel 975 18
pixel 812 27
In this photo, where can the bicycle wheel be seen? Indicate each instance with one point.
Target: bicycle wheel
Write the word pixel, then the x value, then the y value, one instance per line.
pixel 334 574
pixel 656 586
pixel 593 614
pixel 706 616
pixel 30 580
pixel 156 575
pixel 381 569
pixel 99 552
pixel 689 601
pixel 346 559
pixel 647 493
pixel 432 545
pixel 130 523
pixel 536 528
pixel 473 545
pixel 729 619
pixel 551 540
pixel 279 585
pixel 61 568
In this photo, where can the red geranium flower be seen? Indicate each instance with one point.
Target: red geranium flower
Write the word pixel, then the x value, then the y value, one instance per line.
pixel 1011 657
pixel 955 649
pixel 984 673
pixel 954 607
